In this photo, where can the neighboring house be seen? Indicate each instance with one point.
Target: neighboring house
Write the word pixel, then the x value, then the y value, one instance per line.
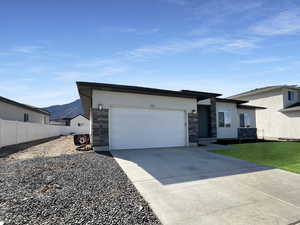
pixel 128 117
pixel 81 122
pixel 61 122
pixel 12 110
pixel 281 118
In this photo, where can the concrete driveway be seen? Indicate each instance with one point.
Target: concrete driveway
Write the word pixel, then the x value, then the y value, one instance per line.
pixel 188 186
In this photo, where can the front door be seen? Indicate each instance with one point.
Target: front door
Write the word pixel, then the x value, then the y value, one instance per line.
pixel 203 112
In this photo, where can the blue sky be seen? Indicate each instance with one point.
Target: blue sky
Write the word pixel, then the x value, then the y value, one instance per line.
pixel 223 46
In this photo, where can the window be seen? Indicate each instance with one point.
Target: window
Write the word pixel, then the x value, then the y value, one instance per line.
pixel 26 117
pixel 291 96
pixel 224 119
pixel 245 120
pixel 221 119
pixel 242 120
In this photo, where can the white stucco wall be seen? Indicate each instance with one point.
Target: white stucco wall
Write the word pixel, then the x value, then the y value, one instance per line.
pixel 16 113
pixel 232 132
pixel 271 123
pixel 227 132
pixel 271 100
pixel 81 123
pixel 118 99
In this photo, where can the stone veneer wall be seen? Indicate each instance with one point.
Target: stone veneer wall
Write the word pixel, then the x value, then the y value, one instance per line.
pixel 213 118
pixel 193 121
pixel 100 128
pixel 247 133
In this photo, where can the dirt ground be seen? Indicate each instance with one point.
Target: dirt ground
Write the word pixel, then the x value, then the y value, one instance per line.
pixel 60 146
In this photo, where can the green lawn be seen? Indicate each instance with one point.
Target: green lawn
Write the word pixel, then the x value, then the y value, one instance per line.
pixel 283 155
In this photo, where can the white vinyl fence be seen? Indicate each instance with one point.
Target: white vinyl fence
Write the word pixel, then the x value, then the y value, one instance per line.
pixel 15 132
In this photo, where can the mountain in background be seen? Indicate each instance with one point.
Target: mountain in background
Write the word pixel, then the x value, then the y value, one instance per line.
pixel 68 110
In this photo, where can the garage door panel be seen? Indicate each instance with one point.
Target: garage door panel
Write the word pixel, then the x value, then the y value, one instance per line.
pixel 146 128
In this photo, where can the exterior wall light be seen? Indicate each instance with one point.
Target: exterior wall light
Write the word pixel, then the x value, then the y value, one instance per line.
pixel 100 107
pixel 194 111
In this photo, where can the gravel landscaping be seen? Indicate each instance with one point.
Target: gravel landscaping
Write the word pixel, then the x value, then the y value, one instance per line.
pixel 81 188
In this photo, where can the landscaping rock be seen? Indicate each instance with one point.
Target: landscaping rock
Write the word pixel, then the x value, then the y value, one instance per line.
pixel 87 188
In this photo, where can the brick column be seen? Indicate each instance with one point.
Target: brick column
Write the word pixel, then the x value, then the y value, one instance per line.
pixel 213 118
pixel 247 133
pixel 100 129
pixel 193 121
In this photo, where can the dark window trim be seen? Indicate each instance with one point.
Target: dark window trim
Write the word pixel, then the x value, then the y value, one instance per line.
pixel 221 119
pixel 291 95
pixel 26 117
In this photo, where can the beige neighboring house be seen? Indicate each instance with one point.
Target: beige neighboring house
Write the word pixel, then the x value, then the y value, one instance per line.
pixel 12 110
pixel 81 122
pixel 59 122
pixel 281 118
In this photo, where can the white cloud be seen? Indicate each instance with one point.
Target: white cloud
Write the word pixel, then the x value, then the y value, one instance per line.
pixel 240 44
pixel 171 47
pixel 284 23
pixel 27 79
pixel 178 2
pixel 261 60
pixel 206 44
pixel 75 75
pixel 27 49
pixel 37 69
pixel 97 62
pixel 130 30
pixel 217 11
pixel 11 87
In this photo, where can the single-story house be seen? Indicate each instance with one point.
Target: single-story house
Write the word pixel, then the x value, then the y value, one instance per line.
pixel 59 122
pixel 281 117
pixel 81 122
pixel 12 110
pixel 131 117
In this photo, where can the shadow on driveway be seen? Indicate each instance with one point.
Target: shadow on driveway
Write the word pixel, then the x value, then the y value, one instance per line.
pixel 176 165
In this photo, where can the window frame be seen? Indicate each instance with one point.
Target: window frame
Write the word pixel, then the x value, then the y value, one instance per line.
pixel 26 117
pixel 291 95
pixel 227 119
pixel 246 118
pixel 221 123
pixel 242 120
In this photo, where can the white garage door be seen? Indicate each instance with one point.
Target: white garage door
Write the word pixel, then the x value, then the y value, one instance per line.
pixel 146 128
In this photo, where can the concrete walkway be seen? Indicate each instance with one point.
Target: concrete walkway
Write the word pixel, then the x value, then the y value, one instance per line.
pixel 189 186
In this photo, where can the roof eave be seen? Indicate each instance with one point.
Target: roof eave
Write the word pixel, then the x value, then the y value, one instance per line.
pixel 38 110
pixel 250 107
pixel 85 91
pixel 293 109
pixel 263 90
pixel 227 100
